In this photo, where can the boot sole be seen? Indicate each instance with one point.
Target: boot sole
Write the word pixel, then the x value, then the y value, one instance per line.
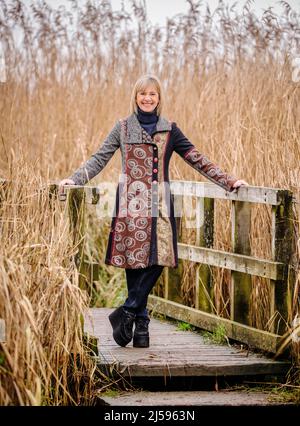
pixel 139 342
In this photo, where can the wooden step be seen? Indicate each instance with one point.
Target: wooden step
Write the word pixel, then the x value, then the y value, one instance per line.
pixel 174 353
pixel 192 398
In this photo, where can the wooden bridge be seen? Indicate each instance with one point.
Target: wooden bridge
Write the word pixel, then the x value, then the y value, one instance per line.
pixel 199 360
pixel 179 353
pixel 174 352
pixel 175 355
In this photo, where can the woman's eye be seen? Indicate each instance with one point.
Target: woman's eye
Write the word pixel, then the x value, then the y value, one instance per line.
pixel 144 94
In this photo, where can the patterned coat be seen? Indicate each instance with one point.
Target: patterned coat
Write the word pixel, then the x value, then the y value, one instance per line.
pixel 143 228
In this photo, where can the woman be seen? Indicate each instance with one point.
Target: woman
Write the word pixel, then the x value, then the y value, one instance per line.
pixel 143 233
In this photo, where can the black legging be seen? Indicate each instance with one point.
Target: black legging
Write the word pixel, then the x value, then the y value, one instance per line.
pixel 139 284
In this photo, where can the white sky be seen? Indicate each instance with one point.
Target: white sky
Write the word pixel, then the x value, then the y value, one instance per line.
pixel 158 10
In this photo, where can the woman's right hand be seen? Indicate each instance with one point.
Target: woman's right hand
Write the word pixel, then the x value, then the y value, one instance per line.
pixel 64 182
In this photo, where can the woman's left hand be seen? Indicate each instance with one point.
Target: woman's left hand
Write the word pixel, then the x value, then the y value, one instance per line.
pixel 239 183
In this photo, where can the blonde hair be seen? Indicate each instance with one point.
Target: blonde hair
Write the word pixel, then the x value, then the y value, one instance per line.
pixel 141 84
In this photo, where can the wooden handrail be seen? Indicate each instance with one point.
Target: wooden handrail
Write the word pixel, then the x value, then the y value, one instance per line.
pixel 251 194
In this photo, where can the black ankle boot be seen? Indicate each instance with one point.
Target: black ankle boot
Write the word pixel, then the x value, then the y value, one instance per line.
pixel 141 333
pixel 122 324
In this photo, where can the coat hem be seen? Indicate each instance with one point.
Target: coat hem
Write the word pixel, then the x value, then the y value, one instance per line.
pixel 109 262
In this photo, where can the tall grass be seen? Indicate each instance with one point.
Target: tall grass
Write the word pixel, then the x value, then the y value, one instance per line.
pixel 228 82
pixel 43 361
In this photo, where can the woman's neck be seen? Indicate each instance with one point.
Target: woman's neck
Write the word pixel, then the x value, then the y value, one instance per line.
pixel 147 117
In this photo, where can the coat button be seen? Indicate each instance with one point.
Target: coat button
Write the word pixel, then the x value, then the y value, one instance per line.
pixel 154 170
pixel 155 148
pixel 154 182
pixel 155 160
pixel 157 138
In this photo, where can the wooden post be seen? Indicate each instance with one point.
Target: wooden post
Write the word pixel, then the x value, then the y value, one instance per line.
pixel 204 238
pixel 173 284
pixel 282 246
pixel 173 276
pixel 76 210
pixel 89 272
pixel 240 282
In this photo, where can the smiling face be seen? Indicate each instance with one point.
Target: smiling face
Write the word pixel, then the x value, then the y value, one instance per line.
pixel 148 98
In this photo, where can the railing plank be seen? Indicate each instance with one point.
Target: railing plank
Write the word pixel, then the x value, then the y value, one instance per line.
pixel 252 194
pixel 243 333
pixel 236 262
pixel 240 293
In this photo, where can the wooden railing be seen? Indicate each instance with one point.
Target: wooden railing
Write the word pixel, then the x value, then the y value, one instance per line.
pixel 240 262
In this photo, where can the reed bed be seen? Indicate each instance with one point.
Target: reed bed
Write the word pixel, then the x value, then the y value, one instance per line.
pixel 230 81
pixel 43 361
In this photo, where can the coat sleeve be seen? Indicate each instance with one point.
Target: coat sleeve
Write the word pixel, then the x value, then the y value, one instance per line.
pixel 99 159
pixel 200 162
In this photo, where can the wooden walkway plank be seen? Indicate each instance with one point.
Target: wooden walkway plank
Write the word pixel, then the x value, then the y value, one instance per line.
pixel 195 398
pixel 173 352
